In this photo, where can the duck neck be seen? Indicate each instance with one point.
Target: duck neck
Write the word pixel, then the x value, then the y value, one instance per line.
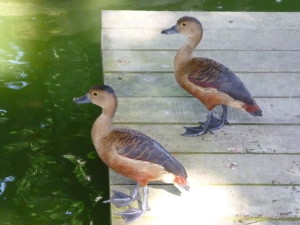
pixel 185 53
pixel 103 124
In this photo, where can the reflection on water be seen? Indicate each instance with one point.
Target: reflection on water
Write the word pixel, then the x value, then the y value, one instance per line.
pixel 16 84
pixel 18 55
pixel 49 53
pixel 3 183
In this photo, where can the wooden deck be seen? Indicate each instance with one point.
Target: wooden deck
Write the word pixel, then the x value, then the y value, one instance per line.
pixel 246 173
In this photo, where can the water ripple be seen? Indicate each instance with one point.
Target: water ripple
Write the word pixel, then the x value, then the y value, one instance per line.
pixel 16 85
pixel 3 112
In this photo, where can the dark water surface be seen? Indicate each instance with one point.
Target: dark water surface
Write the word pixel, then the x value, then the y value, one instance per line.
pixel 49 53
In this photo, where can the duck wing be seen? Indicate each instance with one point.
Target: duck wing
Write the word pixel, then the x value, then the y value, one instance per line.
pixel 208 73
pixel 136 145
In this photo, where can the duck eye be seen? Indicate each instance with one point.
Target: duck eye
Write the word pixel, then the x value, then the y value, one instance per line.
pixel 183 24
pixel 95 93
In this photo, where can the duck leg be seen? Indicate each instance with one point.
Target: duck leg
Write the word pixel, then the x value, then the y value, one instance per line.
pixel 199 130
pixel 132 214
pixel 120 199
pixel 212 123
pixel 216 123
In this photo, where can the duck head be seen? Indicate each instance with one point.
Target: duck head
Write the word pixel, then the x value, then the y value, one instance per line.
pixel 186 25
pixel 101 95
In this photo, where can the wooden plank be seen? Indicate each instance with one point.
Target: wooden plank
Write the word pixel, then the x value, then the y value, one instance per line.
pixel 215 205
pixel 208 169
pixel 152 39
pixel 238 61
pixel 164 84
pixel 232 183
pixel 210 20
pixel 180 110
pixel 231 139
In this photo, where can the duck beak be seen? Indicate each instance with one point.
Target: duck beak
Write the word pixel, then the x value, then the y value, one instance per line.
pixel 82 100
pixel 172 30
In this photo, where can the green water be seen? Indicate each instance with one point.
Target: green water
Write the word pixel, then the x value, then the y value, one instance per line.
pixel 49 53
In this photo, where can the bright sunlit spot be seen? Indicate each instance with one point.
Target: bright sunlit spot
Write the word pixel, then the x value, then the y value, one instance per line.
pixel 205 204
pixel 202 205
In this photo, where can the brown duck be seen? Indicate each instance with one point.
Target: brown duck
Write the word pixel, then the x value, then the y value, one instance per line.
pixel 209 81
pixel 130 153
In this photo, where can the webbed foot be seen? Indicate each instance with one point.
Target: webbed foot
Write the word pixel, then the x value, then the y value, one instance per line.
pixel 212 123
pixel 195 131
pixel 120 199
pixel 131 214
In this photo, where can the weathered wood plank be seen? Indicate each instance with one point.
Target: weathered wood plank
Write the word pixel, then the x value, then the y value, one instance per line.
pixel 262 48
pixel 210 20
pixel 207 169
pixel 231 139
pixel 152 39
pixel 238 61
pixel 189 110
pixel 215 205
pixel 164 84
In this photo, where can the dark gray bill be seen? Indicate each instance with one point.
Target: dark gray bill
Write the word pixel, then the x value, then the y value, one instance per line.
pixel 172 30
pixel 81 100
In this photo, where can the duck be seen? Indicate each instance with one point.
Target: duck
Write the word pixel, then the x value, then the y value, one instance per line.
pixel 209 81
pixel 130 153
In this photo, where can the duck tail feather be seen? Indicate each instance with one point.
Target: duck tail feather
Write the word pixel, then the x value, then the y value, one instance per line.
pixel 182 182
pixel 254 110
